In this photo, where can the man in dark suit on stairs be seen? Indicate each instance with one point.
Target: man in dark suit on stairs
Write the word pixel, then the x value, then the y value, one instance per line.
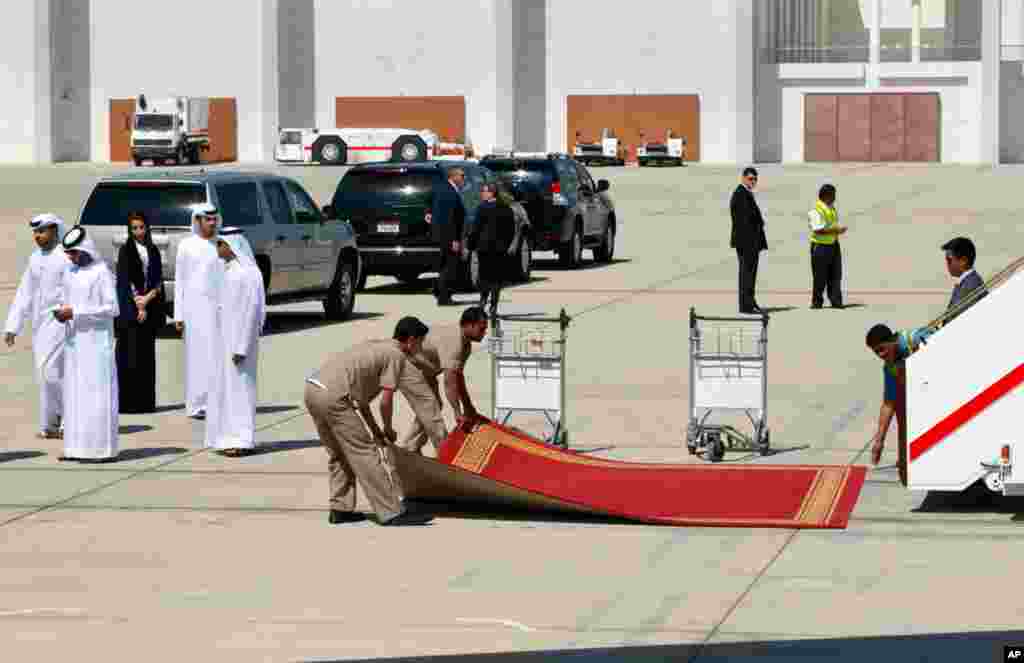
pixel 960 255
pixel 748 238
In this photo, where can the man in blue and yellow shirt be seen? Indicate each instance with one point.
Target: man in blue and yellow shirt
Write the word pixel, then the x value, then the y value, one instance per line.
pixel 826 256
pixel 893 348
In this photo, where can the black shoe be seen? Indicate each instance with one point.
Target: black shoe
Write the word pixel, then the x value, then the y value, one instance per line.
pixel 815 305
pixel 408 518
pixel 338 517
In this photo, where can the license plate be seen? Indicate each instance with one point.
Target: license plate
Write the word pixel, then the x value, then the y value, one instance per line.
pixel 387 227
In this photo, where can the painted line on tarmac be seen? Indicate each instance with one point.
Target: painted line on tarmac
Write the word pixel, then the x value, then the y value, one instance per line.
pixel 502 622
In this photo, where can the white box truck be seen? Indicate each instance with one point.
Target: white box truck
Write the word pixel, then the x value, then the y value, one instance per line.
pixel 170 128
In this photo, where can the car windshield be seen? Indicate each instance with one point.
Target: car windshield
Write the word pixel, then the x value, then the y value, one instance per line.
pixel 154 122
pixel 522 177
pixel 372 188
pixel 163 203
pixel 291 138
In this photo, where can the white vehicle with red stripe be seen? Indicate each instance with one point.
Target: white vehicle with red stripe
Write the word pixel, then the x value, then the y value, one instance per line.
pixel 965 395
pixel 339 147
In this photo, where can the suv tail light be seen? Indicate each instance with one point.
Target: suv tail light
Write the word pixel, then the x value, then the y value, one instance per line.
pixel 556 187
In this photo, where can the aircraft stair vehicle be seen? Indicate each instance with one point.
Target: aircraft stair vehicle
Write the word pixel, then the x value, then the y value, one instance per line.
pixel 965 394
pixel 672 152
pixel 608 152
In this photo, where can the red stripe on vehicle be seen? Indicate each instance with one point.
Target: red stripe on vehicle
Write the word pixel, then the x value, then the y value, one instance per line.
pixel 966 412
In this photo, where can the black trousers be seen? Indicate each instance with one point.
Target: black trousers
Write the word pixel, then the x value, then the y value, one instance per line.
pixel 491 277
pixel 747 278
pixel 447 274
pixel 826 273
pixel 135 354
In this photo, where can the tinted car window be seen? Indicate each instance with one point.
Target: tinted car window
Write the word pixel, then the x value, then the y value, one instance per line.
pixel 278 202
pixel 305 209
pixel 239 203
pixel 567 175
pixel 164 204
pixel 373 188
pixel 524 179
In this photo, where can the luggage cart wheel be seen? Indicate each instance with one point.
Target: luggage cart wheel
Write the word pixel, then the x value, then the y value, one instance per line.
pixel 766 442
pixel 716 447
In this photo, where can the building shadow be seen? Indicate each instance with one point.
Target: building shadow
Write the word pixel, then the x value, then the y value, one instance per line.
pixel 979 646
pixel 8 456
pixel 148 452
pixel 133 428
pixel 287 322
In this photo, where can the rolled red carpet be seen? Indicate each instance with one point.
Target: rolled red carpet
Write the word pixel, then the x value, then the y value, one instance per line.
pixel 787 496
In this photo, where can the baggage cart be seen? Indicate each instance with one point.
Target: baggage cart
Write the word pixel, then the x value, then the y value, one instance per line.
pixel 728 372
pixel 528 370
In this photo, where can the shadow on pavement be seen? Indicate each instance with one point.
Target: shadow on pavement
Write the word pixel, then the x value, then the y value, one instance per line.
pixel 8 456
pixel 274 409
pixel 288 445
pixel 133 428
pixel 148 452
pixel 421 286
pixel 286 322
pixel 979 647
pixel 975 499
pixel 552 264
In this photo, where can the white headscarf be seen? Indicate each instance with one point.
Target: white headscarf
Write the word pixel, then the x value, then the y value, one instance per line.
pixel 45 221
pixel 77 239
pixel 240 247
pixel 204 209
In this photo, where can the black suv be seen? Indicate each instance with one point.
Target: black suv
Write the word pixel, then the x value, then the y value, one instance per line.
pixel 388 203
pixel 568 211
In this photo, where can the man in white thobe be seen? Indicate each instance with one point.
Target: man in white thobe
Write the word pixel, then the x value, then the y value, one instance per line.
pixel 231 417
pixel 89 307
pixel 198 274
pixel 38 296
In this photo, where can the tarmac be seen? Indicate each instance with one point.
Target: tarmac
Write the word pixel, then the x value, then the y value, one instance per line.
pixel 174 553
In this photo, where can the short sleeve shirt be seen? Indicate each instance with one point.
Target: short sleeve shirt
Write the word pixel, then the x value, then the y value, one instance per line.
pixel 363 371
pixel 443 349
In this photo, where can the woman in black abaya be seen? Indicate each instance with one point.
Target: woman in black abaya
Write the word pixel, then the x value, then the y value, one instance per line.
pixel 140 298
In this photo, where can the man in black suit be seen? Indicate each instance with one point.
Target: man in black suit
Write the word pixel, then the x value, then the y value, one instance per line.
pixel 448 215
pixel 748 238
pixel 960 255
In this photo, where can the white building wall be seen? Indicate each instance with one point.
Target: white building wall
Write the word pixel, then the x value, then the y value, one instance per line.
pixel 216 50
pixel 657 47
pixel 415 48
pixel 24 78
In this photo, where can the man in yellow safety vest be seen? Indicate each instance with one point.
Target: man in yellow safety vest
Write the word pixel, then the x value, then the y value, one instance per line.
pixel 826 259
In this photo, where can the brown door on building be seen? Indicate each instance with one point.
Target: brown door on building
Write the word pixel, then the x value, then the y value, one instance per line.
pixel 445 116
pixel 629 116
pixel 121 113
pixel 871 127
pixel 223 123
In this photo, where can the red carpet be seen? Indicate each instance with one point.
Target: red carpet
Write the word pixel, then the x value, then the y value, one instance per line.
pixel 509 466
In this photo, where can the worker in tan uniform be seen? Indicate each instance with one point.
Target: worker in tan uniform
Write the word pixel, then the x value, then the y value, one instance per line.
pixel 445 350
pixel 338 397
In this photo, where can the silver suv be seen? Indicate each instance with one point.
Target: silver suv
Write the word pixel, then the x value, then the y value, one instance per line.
pixel 303 255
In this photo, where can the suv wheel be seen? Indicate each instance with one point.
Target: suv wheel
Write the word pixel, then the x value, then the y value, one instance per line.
pixel 606 250
pixel 571 253
pixel 341 297
pixel 525 259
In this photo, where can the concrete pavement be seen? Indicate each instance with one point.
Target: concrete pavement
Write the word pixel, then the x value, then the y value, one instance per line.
pixel 174 552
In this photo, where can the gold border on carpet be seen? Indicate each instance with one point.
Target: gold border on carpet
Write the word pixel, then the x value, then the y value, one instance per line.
pixel 819 503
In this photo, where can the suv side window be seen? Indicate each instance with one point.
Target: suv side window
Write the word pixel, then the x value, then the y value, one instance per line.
pixel 278 202
pixel 305 209
pixel 567 176
pixel 471 193
pixel 239 203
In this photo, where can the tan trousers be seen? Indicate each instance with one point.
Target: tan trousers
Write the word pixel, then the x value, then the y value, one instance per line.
pixel 424 396
pixel 352 455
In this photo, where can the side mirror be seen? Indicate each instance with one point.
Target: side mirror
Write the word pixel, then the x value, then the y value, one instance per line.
pixel 603 185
